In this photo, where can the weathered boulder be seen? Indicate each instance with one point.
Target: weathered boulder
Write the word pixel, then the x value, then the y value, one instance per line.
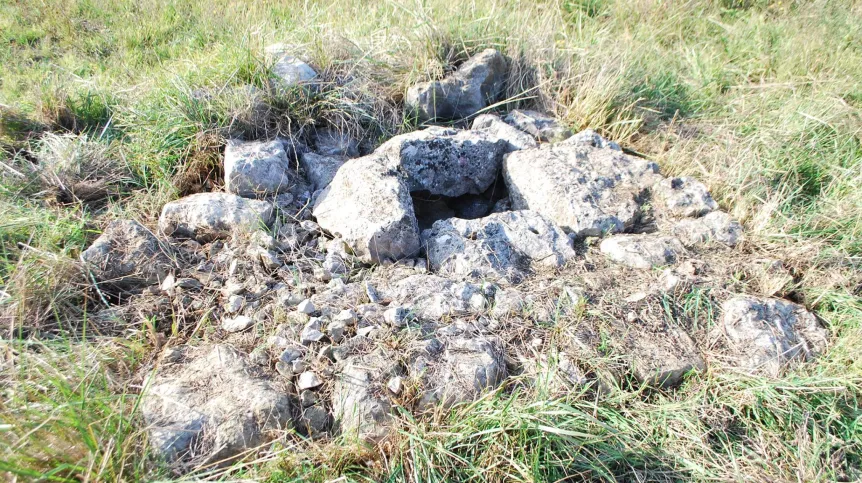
pixel 503 245
pixel 320 169
pixel 335 142
pixel 211 405
pixel 542 127
pixel 684 197
pixel 256 168
pixel 208 216
pixel 369 207
pixel 587 191
pixel 590 138
pixel 477 83
pixel 444 161
pixel 642 251
pixel 467 367
pixel 495 128
pixel 359 404
pixel 717 226
pixel 764 334
pixel 433 297
pixel 127 256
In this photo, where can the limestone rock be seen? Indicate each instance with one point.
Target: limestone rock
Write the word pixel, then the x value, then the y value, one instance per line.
pixel 717 226
pixel 256 168
pixel 320 169
pixel 289 70
pixel 659 356
pixel 212 406
pixel 542 127
pixel 477 83
pixel 764 334
pixel 444 161
pixel 358 401
pixel 433 297
pixel 369 207
pixel 590 138
pixel 642 251
pixel 587 191
pixel 684 197
pixel 468 366
pixel 503 245
pixel 127 256
pixel 495 128
pixel 237 324
pixel 208 216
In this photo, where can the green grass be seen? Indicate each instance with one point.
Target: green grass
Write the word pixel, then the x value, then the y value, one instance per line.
pixel 762 100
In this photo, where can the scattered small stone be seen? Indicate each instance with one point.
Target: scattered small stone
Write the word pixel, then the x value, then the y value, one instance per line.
pixel 308 380
pixel 325 353
pixel 395 385
pixel 168 283
pixel 642 251
pixel 284 369
pixel 347 317
pixel 636 297
pixel 314 420
pixel 366 331
pixel 234 304
pixel 336 330
pixel 397 316
pixel 298 366
pixel 290 354
pixel 307 398
pixel 373 295
pixel 237 324
pixel 306 307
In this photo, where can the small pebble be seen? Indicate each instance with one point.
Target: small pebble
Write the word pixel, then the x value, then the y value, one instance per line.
pixel 308 380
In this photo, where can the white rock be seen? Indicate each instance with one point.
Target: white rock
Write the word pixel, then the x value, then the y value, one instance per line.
pixel 256 168
pixel 306 307
pixel 590 138
pixel 308 380
pixel 234 304
pixel 495 128
pixel 715 227
pixel 587 191
pixel 396 316
pixel 684 197
pixel 642 251
pixel 208 216
pixel 347 317
pixel 395 385
pixel 237 324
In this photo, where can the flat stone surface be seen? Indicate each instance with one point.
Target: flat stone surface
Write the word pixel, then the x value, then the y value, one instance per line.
pixel 716 227
pixel 587 191
pixel 208 216
pixel 642 251
pixel 684 197
pixel 320 169
pixel 468 366
pixel 256 168
pixel 495 128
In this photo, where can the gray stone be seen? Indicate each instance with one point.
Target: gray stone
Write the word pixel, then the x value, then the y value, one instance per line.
pixel 684 197
pixel 320 169
pixel 507 302
pixel 659 357
pixel 357 404
pixel 289 70
pixel 237 324
pixel 290 354
pixel 467 367
pixel 307 398
pixel 128 256
pixel 717 226
pixel 395 385
pixel 334 142
pixel 256 168
pixel 209 216
pixel 503 245
pixel 336 330
pixel 347 317
pixel 432 297
pixel 397 316
pixel 314 420
pixel 369 207
pixel 308 380
pixel 495 128
pixel 306 307
pixel 541 126
pixel 590 138
pixel 476 84
pixel 764 334
pixel 587 191
pixel 445 161
pixel 642 251
pixel 212 407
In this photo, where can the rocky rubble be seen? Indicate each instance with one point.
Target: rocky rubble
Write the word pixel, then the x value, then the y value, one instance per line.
pixel 329 313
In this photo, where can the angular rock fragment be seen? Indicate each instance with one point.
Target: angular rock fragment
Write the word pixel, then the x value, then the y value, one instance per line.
pixel 717 226
pixel 208 216
pixel 642 251
pixel 369 207
pixel 335 142
pixel 468 366
pixel 444 161
pixel 256 168
pixel 495 128
pixel 764 334
pixel 503 245
pixel 127 256
pixel 320 169
pixel 211 406
pixel 432 297
pixel 358 398
pixel 542 127
pixel 289 70
pixel 477 83
pixel 684 197
pixel 587 191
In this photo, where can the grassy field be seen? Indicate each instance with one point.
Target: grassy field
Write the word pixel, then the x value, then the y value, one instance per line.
pixel 761 100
